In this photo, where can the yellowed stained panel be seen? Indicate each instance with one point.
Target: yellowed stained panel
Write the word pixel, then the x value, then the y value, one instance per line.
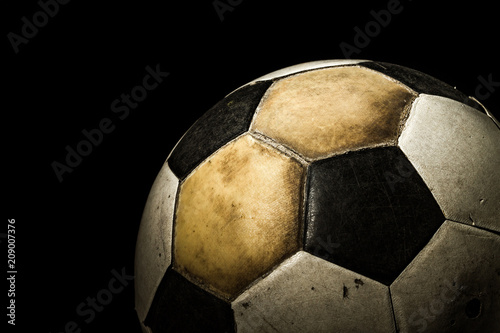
pixel 238 215
pixel 329 111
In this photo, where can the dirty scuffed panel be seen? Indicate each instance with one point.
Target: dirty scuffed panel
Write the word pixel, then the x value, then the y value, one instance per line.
pixel 333 110
pixel 238 215
pixel 308 294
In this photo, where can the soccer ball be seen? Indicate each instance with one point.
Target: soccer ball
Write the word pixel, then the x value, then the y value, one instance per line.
pixel 331 196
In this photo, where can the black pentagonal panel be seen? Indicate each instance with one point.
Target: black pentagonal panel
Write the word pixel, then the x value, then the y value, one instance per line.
pixel 422 83
pixel 369 211
pixel 181 306
pixel 223 122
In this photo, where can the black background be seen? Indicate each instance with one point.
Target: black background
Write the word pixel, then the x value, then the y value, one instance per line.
pixel 71 234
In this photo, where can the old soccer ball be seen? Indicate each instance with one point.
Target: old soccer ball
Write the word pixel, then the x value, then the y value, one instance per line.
pixel 331 196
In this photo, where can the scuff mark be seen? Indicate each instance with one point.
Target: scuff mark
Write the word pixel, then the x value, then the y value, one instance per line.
pixel 345 292
pixel 358 282
pixel 471 219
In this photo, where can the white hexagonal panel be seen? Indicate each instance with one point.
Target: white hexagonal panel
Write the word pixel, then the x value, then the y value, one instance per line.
pixel 308 294
pixel 153 248
pixel 456 150
pixel 453 285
